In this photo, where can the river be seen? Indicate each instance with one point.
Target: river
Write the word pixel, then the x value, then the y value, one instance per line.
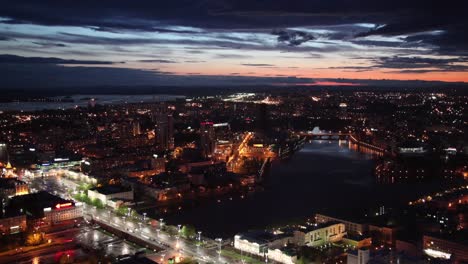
pixel 323 176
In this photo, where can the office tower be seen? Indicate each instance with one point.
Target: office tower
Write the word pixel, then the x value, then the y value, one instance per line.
pixel 261 123
pixel 136 129
pixel 207 138
pixel 3 152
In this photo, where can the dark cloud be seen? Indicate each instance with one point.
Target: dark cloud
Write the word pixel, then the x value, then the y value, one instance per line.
pixel 49 44
pixel 232 56
pixel 292 38
pixel 438 64
pixel 158 61
pixel 33 75
pixel 425 27
pixel 400 64
pixel 194 61
pixel 13 59
pixel 2 38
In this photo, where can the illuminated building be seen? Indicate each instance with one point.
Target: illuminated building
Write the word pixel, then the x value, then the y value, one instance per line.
pixel 136 129
pixel 319 234
pixel 60 163
pixel 44 209
pixel 351 227
pixel 452 246
pixel 207 139
pixel 164 126
pixel 266 244
pixel 3 153
pixel 92 103
pixel 107 193
pixel 10 187
pixel 163 130
pixel 12 224
pixel 360 256
pixel 7 170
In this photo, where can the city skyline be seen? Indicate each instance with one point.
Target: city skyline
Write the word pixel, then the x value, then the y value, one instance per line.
pixel 231 42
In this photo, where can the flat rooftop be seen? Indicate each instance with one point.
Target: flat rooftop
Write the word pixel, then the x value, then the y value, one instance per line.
pixel 34 203
pixel 261 237
pixel 8 183
pixel 111 189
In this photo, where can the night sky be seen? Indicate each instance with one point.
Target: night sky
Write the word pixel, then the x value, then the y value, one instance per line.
pixel 215 42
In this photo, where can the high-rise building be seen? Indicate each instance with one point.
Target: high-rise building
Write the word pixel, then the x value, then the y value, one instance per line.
pixel 3 153
pixel 170 130
pixel 261 122
pixel 92 103
pixel 162 131
pixel 164 128
pixel 207 138
pixel 136 129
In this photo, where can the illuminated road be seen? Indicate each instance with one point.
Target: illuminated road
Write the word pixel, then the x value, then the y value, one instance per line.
pixel 240 150
pixel 174 246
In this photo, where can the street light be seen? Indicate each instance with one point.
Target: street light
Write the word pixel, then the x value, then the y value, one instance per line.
pixel 144 216
pixel 220 240
pixel 161 222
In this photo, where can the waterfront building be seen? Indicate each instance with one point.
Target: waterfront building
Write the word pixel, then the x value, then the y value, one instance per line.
pixel 315 235
pixel 452 247
pixel 110 192
pixel 266 244
pixel 352 227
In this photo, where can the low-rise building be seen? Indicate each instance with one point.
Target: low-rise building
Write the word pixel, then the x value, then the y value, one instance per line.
pixel 266 244
pixel 286 255
pixel 452 247
pixel 315 235
pixel 10 187
pixel 110 192
pixel 12 225
pixel 44 209
pixel 352 227
pixel 360 256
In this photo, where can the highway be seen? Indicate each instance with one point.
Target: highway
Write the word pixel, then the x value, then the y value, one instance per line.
pixel 173 246
pixel 240 150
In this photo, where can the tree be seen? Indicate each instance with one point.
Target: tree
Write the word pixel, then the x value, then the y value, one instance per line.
pixel 78 197
pixel 86 199
pixel 188 261
pixel 188 231
pixel 98 203
pixel 84 186
pixel 34 239
pixel 122 210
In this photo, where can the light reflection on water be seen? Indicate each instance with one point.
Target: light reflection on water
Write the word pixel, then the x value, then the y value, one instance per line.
pixel 324 176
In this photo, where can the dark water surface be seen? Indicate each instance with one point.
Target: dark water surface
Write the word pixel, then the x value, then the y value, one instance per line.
pixel 323 176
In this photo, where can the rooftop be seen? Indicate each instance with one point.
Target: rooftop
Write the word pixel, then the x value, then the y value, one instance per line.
pixel 7 183
pixel 111 189
pixel 34 203
pixel 261 236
